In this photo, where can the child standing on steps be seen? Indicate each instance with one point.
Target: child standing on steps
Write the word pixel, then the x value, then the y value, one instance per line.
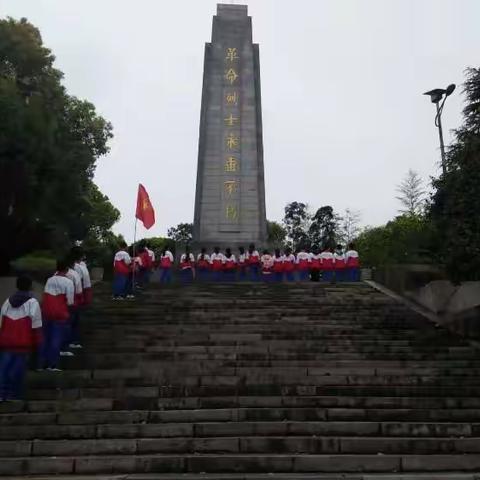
pixel 187 264
pixel 278 264
pixel 289 262
pixel 58 299
pixel 122 265
pixel 352 262
pixel 20 334
pixel 203 265
pixel 166 263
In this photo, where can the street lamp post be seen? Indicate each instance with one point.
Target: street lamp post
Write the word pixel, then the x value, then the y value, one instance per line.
pixel 436 97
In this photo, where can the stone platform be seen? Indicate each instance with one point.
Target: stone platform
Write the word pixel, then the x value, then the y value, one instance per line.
pixel 252 381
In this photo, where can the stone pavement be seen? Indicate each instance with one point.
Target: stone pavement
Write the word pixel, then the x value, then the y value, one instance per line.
pixel 252 381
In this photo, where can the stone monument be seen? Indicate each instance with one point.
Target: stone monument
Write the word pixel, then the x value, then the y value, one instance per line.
pixel 230 194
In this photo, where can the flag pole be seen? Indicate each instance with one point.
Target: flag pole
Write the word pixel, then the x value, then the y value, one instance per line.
pixel 133 253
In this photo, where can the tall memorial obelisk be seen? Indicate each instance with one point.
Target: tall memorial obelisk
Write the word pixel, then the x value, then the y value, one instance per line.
pixel 230 195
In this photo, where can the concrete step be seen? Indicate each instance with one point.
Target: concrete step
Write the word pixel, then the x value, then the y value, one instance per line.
pixel 230 463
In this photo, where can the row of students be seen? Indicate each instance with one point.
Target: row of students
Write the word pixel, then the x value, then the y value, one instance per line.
pixel 49 329
pixel 250 264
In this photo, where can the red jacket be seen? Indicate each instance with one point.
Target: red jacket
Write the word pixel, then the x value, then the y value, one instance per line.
pixel 20 324
pixel 57 297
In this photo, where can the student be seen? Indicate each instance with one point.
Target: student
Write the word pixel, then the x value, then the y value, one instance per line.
pixel 58 299
pixel 151 257
pixel 352 263
pixel 242 264
pixel 166 262
pixel 327 264
pixel 81 268
pixel 230 266
pixel 20 334
pixel 122 265
pixel 203 265
pixel 303 265
pixel 267 262
pixel 145 266
pixel 253 262
pixel 72 334
pixel 289 262
pixel 217 260
pixel 315 262
pixel 187 264
pixel 340 264
pixel 278 266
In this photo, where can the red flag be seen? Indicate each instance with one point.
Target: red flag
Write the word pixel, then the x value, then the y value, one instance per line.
pixel 145 211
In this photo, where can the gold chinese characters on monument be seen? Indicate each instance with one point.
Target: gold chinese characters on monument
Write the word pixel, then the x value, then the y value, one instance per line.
pixel 231 164
pixel 231 75
pixel 232 140
pixel 231 212
pixel 230 187
pixel 231 98
pixel 232 54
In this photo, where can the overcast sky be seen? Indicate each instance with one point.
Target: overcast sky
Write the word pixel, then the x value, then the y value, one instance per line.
pixel 343 114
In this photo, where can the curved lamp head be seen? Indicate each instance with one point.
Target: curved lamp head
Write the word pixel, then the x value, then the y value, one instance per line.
pixel 450 89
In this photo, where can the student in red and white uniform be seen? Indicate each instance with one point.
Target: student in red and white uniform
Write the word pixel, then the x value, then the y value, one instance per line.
pixel 315 264
pixel 20 334
pixel 242 264
pixel 187 266
pixel 72 335
pixel 352 262
pixel 327 264
pixel 145 266
pixel 340 265
pixel 122 267
pixel 253 262
pixel 289 263
pixel 303 265
pixel 58 299
pixel 81 268
pixel 267 262
pixel 217 260
pixel 230 266
pixel 203 265
pixel 166 264
pixel 278 265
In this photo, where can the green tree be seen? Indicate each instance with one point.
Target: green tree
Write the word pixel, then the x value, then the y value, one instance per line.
pixel 182 233
pixel 276 234
pixel 323 228
pixel 411 194
pixel 296 222
pixel 406 239
pixel 455 204
pixel 348 227
pixel 49 144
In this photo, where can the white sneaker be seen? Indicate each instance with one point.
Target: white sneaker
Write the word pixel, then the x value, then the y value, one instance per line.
pixel 75 345
pixel 54 369
pixel 130 297
pixel 67 354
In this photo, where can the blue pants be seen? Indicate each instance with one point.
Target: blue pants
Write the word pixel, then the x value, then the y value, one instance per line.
pixel 13 366
pixel 165 275
pixel 327 275
pixel 278 277
pixel 53 339
pixel 229 276
pixel 242 274
pixel 254 271
pixel 268 277
pixel 186 275
pixel 203 274
pixel 353 274
pixel 71 329
pixel 290 276
pixel 120 285
pixel 340 275
pixel 303 275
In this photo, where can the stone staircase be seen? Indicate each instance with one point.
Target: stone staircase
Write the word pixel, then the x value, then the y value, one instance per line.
pixel 242 381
